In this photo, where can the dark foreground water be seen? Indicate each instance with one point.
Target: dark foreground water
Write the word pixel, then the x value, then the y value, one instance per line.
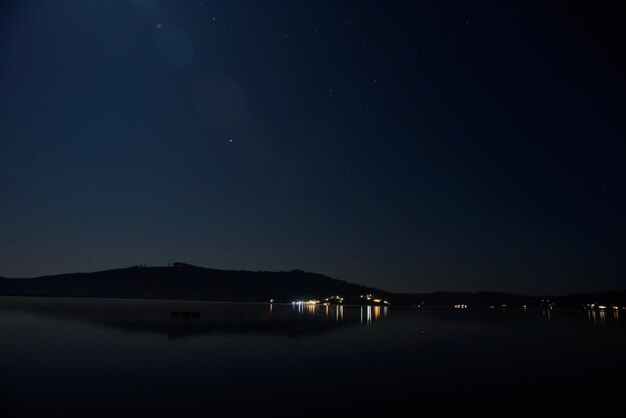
pixel 90 357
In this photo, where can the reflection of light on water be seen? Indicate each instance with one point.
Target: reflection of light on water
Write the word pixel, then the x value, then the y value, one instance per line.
pixel 368 313
pixel 376 312
pixel 271 307
pixel 547 314
pixel 306 307
pixel 599 316
pixel 338 312
pixel 591 315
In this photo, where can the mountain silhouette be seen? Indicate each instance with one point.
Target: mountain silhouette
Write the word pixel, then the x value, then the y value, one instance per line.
pixel 182 281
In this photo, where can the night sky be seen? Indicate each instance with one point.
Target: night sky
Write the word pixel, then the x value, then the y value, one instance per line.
pixel 414 147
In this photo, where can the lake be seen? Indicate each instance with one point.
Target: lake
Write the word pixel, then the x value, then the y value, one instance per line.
pixel 103 357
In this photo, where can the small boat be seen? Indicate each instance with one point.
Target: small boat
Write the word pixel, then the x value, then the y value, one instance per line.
pixel 185 314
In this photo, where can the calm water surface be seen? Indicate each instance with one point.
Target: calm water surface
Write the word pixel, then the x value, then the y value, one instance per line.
pixel 87 357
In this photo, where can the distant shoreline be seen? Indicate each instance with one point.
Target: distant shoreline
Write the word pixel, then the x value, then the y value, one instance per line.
pixel 187 283
pixel 223 302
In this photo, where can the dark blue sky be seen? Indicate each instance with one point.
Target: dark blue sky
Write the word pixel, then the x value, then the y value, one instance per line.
pixel 415 147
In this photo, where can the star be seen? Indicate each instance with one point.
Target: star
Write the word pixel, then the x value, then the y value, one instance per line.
pixel 158 26
pixel 230 140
